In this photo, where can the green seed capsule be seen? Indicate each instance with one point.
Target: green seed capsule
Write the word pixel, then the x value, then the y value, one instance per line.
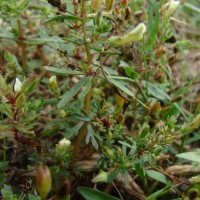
pixel 109 4
pixel 43 181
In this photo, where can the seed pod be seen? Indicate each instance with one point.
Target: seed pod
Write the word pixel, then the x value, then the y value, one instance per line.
pixel 193 193
pixel 43 181
pixel 95 4
pixel 136 34
pixel 127 13
pixel 63 190
pixel 109 4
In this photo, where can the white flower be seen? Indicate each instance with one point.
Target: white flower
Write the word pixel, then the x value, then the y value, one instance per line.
pixel 136 34
pixel 63 145
pixel 54 85
pixel 53 80
pixel 17 85
pixel 170 7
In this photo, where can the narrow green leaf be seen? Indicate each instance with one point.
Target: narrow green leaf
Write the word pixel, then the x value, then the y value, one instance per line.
pixel 72 132
pixel 154 18
pixel 47 40
pixel 23 4
pixel 131 73
pixel 122 87
pixel 30 85
pixel 86 89
pixel 81 117
pixel 158 193
pixel 13 63
pixel 62 17
pixel 140 171
pixel 61 71
pixel 6 109
pixel 192 156
pixel 91 135
pixel 7 35
pixel 65 98
pixel 122 78
pixel 157 176
pixel 93 194
pixel 156 91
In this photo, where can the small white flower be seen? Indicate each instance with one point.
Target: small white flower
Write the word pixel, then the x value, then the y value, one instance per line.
pixel 171 7
pixel 17 85
pixel 53 80
pixel 63 145
pixel 54 85
pixel 135 35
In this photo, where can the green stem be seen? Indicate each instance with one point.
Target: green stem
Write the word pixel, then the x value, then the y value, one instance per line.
pixel 23 46
pixel 82 132
pixel 4 154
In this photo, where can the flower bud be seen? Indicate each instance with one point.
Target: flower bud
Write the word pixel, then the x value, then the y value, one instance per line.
pixel 109 4
pixel 124 3
pixel 194 124
pixel 136 34
pixel 101 177
pixel 119 100
pixel 63 145
pixel 109 135
pixel 95 4
pixel 21 100
pixel 43 181
pixel 109 153
pixel 17 85
pixel 117 10
pixel 54 85
pixel 156 108
pixel 61 113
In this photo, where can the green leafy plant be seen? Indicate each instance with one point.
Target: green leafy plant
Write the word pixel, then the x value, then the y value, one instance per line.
pixel 97 91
